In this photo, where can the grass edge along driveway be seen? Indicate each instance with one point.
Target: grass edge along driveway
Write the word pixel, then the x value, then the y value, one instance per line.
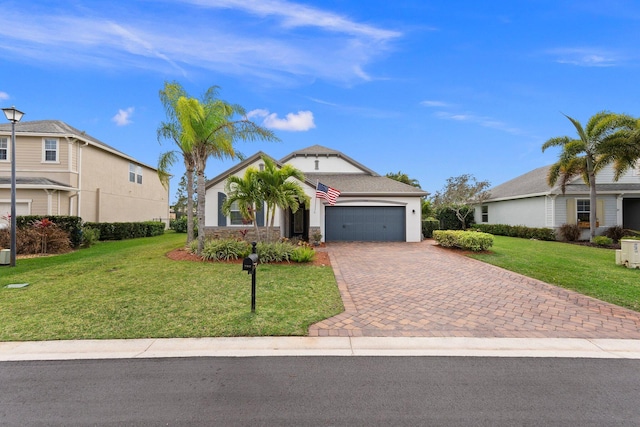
pixel 130 289
pixel 588 270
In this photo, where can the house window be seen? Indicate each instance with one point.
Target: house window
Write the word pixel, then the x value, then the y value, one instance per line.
pixel 4 149
pixel 135 173
pixel 485 213
pixel 583 209
pixel 50 150
pixel 236 217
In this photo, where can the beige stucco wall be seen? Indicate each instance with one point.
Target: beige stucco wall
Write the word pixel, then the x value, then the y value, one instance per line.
pixel 107 195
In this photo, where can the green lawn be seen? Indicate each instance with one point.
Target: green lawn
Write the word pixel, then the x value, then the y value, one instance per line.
pixel 130 289
pixel 588 270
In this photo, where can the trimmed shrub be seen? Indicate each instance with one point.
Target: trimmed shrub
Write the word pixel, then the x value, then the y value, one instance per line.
pixel 603 241
pixel 517 231
pixel 468 240
pixel 127 230
pixel 274 252
pixel 428 226
pixel 570 232
pixel 303 254
pixel 224 250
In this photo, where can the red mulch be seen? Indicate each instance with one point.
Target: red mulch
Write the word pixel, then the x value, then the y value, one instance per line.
pixel 182 254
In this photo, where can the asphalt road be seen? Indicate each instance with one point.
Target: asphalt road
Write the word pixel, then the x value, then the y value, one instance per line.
pixel 322 391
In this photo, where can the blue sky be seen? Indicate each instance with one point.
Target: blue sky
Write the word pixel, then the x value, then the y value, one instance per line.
pixel 434 89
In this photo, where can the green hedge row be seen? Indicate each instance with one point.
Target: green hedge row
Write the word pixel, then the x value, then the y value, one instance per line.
pixel 127 230
pixel 428 226
pixel 516 231
pixel 468 240
pixel 71 224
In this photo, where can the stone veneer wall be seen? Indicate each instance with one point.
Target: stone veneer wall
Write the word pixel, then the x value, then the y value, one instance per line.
pixel 234 233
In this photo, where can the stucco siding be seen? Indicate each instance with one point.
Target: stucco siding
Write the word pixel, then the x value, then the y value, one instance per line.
pixel 325 164
pixel 107 195
pixel 529 212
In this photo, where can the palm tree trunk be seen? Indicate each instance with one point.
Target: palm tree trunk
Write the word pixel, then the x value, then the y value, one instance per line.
pixel 201 205
pixel 189 204
pixel 592 206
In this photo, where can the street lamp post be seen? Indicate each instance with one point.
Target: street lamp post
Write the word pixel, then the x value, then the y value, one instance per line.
pixel 14 116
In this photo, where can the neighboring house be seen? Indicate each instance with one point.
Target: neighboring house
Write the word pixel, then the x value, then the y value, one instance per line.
pixel 528 200
pixel 370 207
pixel 63 171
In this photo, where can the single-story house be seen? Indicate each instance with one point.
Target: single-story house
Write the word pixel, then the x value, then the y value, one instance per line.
pixel 370 207
pixel 61 170
pixel 528 200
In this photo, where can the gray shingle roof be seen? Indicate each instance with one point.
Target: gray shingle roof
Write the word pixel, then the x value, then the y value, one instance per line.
pixel 534 183
pixel 38 181
pixel 363 184
pixel 58 127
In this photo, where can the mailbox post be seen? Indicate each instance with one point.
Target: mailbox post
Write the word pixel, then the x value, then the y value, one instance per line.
pixel 249 264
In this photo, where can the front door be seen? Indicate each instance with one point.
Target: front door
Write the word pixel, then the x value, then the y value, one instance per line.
pixel 299 224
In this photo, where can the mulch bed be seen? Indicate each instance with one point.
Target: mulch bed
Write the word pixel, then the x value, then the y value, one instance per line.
pixel 182 254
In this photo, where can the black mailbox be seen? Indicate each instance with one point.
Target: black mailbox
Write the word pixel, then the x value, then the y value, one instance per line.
pixel 249 263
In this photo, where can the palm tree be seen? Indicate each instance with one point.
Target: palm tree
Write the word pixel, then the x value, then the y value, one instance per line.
pixel 404 178
pixel 278 190
pixel 244 191
pixel 172 131
pixel 598 144
pixel 207 129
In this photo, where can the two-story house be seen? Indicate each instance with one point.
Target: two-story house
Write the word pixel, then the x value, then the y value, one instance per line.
pixel 61 170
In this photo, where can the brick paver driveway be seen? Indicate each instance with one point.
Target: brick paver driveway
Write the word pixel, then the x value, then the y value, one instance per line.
pixel 418 289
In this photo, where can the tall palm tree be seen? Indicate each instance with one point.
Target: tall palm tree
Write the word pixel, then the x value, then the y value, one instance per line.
pixel 279 190
pixel 172 130
pixel 245 191
pixel 599 143
pixel 207 129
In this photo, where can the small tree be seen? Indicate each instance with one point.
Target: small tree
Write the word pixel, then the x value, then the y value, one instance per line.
pixel 460 193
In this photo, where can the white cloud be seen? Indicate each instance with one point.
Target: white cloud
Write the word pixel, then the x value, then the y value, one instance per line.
pixel 483 121
pixel 4 96
pixel 271 39
pixel 294 122
pixel 586 57
pixel 435 104
pixel 123 117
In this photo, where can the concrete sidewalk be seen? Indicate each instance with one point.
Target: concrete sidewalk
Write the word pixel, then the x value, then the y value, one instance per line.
pixel 315 346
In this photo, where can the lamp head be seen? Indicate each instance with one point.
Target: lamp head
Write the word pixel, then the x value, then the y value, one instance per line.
pixel 12 114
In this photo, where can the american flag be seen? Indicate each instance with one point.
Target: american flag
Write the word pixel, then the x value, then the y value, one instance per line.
pixel 327 193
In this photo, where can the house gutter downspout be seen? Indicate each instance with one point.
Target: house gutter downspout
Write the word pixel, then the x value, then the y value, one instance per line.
pixel 79 192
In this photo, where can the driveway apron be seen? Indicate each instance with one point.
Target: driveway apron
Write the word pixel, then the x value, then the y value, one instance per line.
pixel 422 290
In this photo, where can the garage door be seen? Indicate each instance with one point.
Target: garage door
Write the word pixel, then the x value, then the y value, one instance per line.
pixel 365 223
pixel 5 211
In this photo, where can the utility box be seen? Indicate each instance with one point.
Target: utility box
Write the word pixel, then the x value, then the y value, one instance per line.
pixel 5 256
pixel 629 253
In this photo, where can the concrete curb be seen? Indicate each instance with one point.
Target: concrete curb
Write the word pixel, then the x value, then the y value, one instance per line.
pixel 314 346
